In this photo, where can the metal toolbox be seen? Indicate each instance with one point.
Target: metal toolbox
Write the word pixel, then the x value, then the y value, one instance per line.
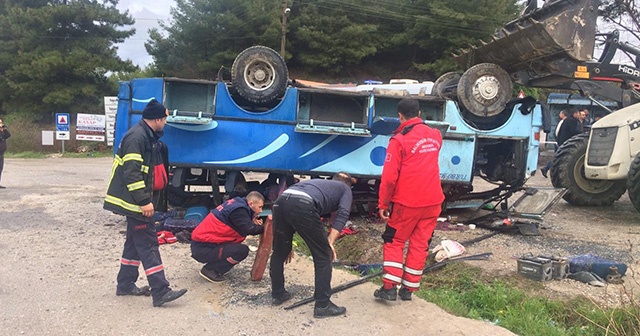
pixel 559 267
pixel 535 268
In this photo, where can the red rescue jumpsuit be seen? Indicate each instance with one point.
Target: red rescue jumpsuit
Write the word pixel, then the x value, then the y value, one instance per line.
pixel 410 187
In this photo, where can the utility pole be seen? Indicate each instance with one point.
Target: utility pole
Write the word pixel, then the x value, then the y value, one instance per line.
pixel 283 40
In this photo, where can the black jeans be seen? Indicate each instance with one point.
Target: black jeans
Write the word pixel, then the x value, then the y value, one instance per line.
pixel 219 257
pixel 292 213
pixel 141 247
pixel 1 165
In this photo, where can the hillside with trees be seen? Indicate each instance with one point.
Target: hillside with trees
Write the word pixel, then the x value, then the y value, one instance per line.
pixel 60 55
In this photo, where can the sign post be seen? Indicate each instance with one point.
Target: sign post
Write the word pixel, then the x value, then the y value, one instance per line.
pixel 62 128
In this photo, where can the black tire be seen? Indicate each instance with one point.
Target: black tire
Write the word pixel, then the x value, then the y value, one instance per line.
pixel 484 89
pixel 445 85
pixel 259 75
pixel 567 171
pixel 633 182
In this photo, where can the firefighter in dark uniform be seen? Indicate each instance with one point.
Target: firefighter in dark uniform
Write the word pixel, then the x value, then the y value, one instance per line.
pixel 130 193
pixel 217 241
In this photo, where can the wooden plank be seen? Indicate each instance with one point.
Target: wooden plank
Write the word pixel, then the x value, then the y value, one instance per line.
pixel 264 249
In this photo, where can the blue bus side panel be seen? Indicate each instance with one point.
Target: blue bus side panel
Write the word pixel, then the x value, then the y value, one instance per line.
pixel 285 111
pixel 234 141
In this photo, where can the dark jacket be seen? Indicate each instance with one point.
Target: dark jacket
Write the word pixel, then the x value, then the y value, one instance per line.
pixel 569 128
pixel 131 182
pixel 328 196
pixel 4 135
pixel 230 222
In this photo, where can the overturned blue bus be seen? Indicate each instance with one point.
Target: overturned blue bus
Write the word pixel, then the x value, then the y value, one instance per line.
pixel 261 121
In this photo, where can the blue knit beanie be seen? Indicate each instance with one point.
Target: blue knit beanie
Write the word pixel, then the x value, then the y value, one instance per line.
pixel 154 110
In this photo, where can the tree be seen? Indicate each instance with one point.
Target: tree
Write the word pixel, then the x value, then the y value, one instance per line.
pixel 331 37
pixel 54 55
pixel 624 15
pixel 207 34
pixel 448 26
pixel 405 38
pixel 327 39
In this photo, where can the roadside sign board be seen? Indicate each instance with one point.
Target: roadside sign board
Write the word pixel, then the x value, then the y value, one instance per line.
pixel 110 109
pixel 62 135
pixel 62 122
pixel 90 127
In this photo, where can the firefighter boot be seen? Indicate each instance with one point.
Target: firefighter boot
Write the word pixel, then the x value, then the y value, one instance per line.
pixel 211 275
pixel 169 296
pixel 135 291
pixel 404 293
pixel 386 294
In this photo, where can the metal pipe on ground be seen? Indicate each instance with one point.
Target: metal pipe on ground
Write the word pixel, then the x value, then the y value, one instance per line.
pixel 339 288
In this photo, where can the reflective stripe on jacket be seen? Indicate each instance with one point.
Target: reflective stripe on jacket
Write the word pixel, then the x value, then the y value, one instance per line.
pixel 130 184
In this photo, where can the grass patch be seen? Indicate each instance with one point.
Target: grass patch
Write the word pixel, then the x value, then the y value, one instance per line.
pixel 25 155
pixel 299 245
pixel 89 154
pixel 40 155
pixel 463 291
pixel 515 303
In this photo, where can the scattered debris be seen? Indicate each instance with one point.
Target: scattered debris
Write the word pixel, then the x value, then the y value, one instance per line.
pixel 596 264
pixel 448 249
pixel 339 288
pixel 588 278
pixel 543 268
pixel 614 276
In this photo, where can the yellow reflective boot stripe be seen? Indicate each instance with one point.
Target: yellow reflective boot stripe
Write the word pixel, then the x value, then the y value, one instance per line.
pixel 135 186
pixel 121 203
pixel 145 169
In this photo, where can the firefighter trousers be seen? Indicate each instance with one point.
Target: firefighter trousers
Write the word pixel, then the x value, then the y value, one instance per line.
pixel 415 225
pixel 219 257
pixel 141 247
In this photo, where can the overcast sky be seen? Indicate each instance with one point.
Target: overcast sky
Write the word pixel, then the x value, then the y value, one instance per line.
pixel 146 13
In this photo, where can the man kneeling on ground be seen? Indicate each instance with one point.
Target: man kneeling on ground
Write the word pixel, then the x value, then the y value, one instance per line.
pixel 217 241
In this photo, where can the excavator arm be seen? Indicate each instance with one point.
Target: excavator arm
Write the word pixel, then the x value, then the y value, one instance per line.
pixel 549 47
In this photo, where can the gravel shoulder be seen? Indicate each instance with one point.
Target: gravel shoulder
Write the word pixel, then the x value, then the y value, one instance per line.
pixel 61 253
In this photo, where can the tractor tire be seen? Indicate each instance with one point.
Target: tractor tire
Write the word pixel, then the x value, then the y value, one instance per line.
pixel 567 171
pixel 445 85
pixel 633 182
pixel 485 89
pixel 259 75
